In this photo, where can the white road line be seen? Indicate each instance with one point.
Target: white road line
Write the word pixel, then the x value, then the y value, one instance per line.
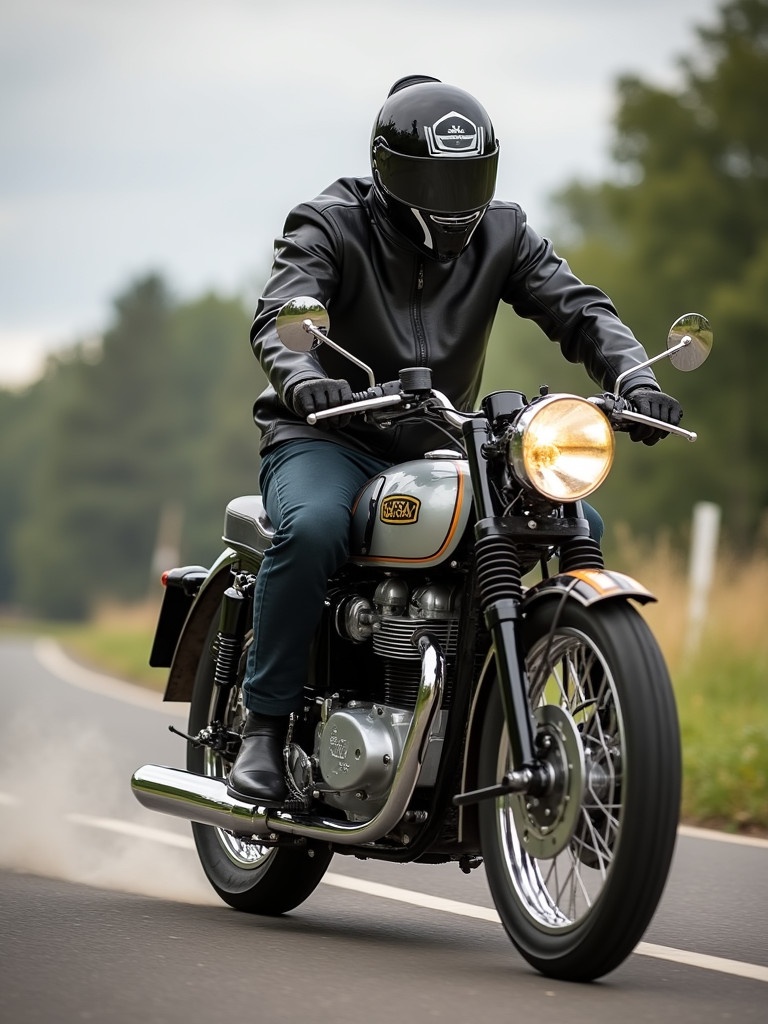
pixel 722 837
pixel 416 899
pixel 51 656
pixel 129 828
pixel 708 963
pixel 419 899
pixel 739 968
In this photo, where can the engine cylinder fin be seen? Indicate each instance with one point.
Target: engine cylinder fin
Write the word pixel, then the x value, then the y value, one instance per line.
pixel 401 684
pixel 393 639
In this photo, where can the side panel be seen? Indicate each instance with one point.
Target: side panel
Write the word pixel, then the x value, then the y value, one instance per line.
pixel 412 516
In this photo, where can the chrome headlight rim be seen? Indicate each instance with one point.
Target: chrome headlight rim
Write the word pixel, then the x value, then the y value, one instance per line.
pixel 525 466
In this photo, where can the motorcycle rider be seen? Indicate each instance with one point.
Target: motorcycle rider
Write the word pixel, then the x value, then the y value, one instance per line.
pixel 412 264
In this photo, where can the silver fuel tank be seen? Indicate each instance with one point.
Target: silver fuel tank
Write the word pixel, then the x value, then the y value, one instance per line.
pixel 414 515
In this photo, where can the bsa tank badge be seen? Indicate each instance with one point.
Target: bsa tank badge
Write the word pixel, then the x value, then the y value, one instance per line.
pixel 399 510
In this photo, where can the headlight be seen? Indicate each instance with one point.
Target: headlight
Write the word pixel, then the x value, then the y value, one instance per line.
pixel 562 446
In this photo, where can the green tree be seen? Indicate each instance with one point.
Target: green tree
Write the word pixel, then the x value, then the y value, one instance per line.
pixel 88 527
pixel 220 441
pixel 154 428
pixel 22 428
pixel 683 225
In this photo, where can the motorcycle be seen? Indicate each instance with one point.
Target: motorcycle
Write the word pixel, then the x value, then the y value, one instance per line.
pixel 481 689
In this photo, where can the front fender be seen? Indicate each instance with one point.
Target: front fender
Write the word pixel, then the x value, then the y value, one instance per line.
pixel 589 586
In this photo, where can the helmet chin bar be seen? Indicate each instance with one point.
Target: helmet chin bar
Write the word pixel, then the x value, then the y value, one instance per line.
pixel 445 238
pixel 439 237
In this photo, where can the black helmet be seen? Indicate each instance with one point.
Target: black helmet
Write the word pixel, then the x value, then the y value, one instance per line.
pixel 433 158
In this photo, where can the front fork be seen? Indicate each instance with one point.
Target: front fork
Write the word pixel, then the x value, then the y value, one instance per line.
pixel 499 584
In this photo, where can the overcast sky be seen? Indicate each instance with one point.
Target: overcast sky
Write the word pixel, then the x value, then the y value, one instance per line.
pixel 174 135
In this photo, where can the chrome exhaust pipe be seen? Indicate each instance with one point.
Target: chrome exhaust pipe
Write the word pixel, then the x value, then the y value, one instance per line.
pixel 196 798
pixel 205 799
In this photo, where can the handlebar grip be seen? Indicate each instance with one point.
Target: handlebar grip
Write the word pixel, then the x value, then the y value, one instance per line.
pixel 392 387
pixel 361 396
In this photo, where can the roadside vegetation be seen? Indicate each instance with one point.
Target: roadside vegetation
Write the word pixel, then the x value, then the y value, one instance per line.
pixel 720 686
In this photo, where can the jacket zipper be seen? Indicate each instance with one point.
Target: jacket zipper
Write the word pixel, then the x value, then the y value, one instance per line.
pixel 418 326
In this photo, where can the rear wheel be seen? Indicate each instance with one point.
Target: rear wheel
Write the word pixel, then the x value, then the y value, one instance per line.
pixel 248 876
pixel 576 874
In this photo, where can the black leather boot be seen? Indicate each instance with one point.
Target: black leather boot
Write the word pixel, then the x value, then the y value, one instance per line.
pixel 258 775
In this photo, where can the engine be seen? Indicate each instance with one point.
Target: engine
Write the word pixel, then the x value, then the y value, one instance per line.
pixel 358 742
pixel 389 622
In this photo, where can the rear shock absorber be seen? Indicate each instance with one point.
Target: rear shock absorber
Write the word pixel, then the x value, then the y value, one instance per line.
pixel 229 641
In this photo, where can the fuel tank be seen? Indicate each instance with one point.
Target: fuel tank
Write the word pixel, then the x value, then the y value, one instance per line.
pixel 414 515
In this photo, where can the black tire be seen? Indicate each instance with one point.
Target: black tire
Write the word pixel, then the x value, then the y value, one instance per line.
pixel 248 876
pixel 577 876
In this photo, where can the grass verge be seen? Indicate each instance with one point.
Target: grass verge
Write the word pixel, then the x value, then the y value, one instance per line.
pixel 720 682
pixel 720 675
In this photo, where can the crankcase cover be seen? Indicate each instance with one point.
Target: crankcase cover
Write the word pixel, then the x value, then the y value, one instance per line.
pixel 412 516
pixel 359 747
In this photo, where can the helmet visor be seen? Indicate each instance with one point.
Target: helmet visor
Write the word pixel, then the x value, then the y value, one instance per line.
pixel 446 185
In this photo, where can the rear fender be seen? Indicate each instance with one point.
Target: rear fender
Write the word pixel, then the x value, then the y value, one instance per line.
pixel 191 637
pixel 181 587
pixel 588 586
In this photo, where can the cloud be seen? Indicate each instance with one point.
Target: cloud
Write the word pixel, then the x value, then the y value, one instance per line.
pixel 158 135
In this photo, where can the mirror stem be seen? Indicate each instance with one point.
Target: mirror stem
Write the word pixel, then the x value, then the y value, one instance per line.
pixel 683 343
pixel 310 328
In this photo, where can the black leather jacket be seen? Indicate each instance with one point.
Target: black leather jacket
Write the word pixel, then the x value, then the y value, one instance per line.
pixel 393 308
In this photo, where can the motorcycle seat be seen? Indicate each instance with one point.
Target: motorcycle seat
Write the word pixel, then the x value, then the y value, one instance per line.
pixel 247 525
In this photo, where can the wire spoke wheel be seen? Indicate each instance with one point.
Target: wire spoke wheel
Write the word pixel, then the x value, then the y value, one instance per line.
pixel 249 876
pixel 577 872
pixel 243 854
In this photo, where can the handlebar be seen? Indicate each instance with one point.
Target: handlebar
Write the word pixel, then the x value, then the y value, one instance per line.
pixel 637 417
pixel 391 396
pixel 380 402
pixel 619 412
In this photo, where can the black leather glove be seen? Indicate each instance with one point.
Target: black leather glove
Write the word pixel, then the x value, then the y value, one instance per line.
pixel 650 402
pixel 315 395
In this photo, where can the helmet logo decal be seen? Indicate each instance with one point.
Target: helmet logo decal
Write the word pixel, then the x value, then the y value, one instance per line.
pixel 454 135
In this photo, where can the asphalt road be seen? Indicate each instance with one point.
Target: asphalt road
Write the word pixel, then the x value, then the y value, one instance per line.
pixel 105 914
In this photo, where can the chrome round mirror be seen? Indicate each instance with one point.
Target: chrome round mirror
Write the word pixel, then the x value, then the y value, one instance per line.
pixel 291 320
pixel 695 327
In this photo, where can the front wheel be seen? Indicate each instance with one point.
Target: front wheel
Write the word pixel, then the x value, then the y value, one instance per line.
pixel 576 874
pixel 248 876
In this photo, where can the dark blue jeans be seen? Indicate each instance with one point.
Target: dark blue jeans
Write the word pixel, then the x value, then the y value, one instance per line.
pixel 308 488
